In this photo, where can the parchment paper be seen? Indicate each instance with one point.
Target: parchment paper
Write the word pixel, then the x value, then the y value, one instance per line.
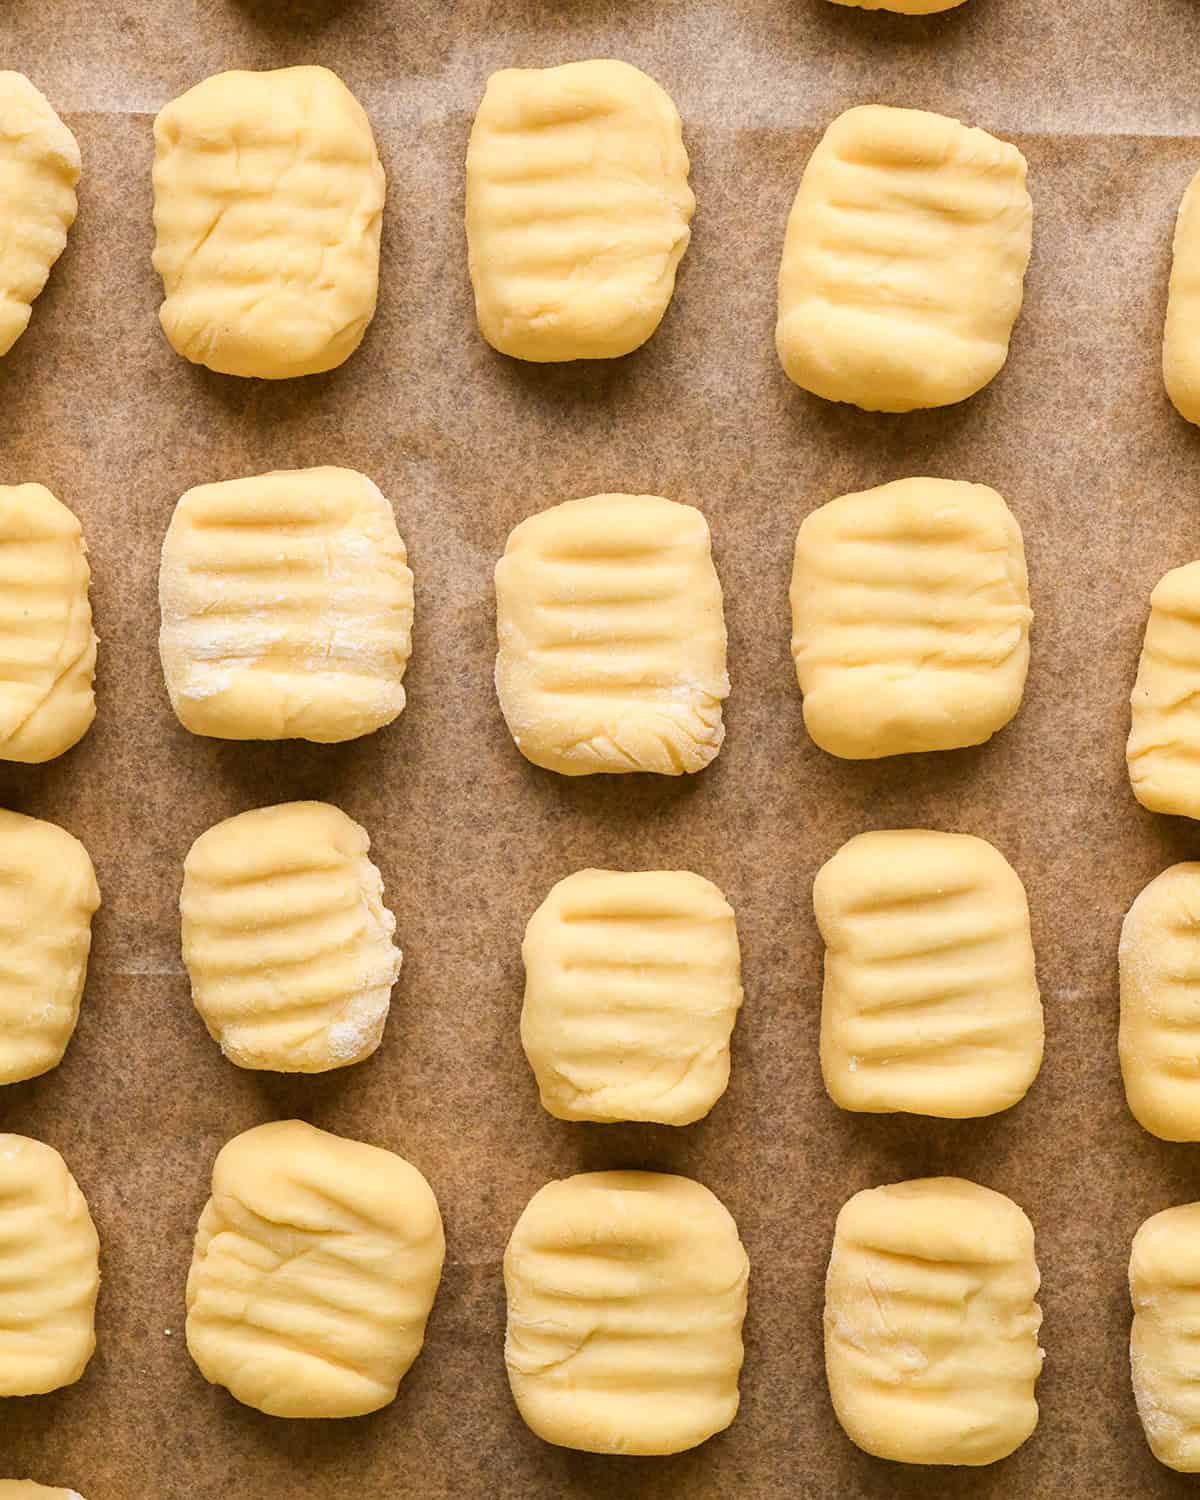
pixel 1076 433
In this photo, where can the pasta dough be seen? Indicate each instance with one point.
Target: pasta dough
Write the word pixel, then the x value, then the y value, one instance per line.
pixel 903 7
pixel 578 209
pixel 286 938
pixel 904 263
pixel 1164 1285
pixel 931 1003
pixel 48 895
pixel 39 167
pixel 931 1327
pixel 287 608
pixel 268 201
pixel 25 1489
pixel 612 638
pixel 1160 1018
pixel 47 644
pixel 910 618
pixel 1181 338
pixel 626 1295
pixel 632 986
pixel 50 1260
pixel 317 1260
pixel 1163 751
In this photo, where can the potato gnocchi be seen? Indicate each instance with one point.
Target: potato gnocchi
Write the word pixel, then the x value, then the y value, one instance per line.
pixel 931 1327
pixel 910 618
pixel 931 1003
pixel 626 1296
pixel 578 209
pixel 25 1489
pixel 611 635
pixel 904 262
pixel 1181 336
pixel 49 1271
pixel 287 608
pixel 632 986
pixel 1163 750
pixel 1164 1286
pixel 316 1263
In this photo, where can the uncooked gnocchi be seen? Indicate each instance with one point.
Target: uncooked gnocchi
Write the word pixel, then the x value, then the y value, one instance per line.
pixel 632 986
pixel 903 7
pixel 1160 1023
pixel 287 607
pixel 268 201
pixel 286 939
pixel 904 263
pixel 316 1263
pixel 25 1489
pixel 578 209
pixel 626 1296
pixel 1164 1286
pixel 48 896
pixel 910 618
pixel 931 1003
pixel 611 634
pixel 47 644
pixel 39 167
pixel 931 1327
pixel 1181 337
pixel 1163 750
pixel 50 1256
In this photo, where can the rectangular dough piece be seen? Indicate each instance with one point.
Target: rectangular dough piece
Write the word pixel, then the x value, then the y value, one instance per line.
pixel 1164 1286
pixel 1181 335
pixel 904 262
pixel 1163 751
pixel 931 1002
pixel 612 638
pixel 578 209
pixel 931 1327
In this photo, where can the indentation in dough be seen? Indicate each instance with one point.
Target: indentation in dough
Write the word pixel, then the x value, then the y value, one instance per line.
pixel 1163 751
pixel 612 638
pixel 316 1263
pixel 287 607
pixel 626 1295
pixel 904 262
pixel 286 939
pixel 578 208
pixel 1164 1342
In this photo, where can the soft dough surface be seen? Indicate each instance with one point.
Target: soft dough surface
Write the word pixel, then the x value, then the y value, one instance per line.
pixel 1164 1285
pixel 632 986
pixel 286 939
pixel 287 607
pixel 49 1271
pixel 910 618
pixel 904 262
pixel 25 1489
pixel 268 201
pixel 1181 337
pixel 48 896
pixel 931 1327
pixel 626 1295
pixel 316 1263
pixel 611 633
pixel 578 208
pixel 1163 750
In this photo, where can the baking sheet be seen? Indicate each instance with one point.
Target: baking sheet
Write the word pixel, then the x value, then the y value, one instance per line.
pixel 1076 433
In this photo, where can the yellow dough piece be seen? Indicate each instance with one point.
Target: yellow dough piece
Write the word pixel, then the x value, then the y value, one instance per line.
pixel 1160 1011
pixel 268 201
pixel 910 618
pixel 578 209
pixel 904 262
pixel 286 938
pixel 39 167
pixel 1163 751
pixel 1181 337
pixel 626 1295
pixel 25 1489
pixel 632 986
pixel 931 1327
pixel 287 608
pixel 931 1003
pixel 47 644
pixel 904 7
pixel 48 895
pixel 1164 1285
pixel 49 1271
pixel 612 638
pixel 317 1260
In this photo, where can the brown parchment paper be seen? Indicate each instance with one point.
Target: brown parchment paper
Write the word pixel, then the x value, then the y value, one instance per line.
pixel 1076 433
